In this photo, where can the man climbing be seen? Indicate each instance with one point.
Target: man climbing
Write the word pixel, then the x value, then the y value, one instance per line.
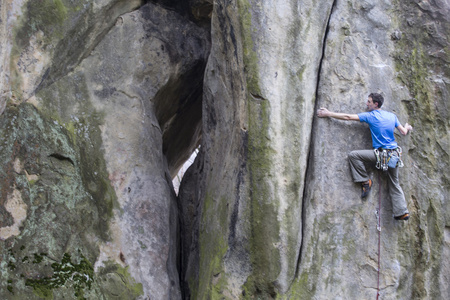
pixel 382 125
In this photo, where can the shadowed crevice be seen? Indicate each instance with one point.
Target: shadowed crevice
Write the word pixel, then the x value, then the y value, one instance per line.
pixel 62 158
pixel 310 164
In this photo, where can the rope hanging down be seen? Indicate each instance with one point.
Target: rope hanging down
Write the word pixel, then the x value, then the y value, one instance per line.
pixel 378 213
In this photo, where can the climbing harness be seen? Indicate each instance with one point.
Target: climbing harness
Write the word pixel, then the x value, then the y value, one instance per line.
pixel 388 158
pixel 378 215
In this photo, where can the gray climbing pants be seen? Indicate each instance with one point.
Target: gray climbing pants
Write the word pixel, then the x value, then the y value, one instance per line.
pixel 357 160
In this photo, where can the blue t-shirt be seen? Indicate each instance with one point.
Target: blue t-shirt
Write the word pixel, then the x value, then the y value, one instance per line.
pixel 382 125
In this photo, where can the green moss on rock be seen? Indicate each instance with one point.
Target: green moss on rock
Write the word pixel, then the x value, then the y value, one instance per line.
pixel 117 283
pixel 251 68
pixel 262 212
pixel 265 228
pixel 45 15
pixel 304 286
pixel 58 199
pixel 421 59
pixel 72 277
pixel 65 273
pixel 68 103
pixel 212 279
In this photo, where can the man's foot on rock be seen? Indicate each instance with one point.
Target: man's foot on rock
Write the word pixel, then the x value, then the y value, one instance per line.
pixel 402 217
pixel 366 188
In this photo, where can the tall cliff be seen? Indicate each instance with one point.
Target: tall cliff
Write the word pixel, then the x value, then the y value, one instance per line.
pixel 102 102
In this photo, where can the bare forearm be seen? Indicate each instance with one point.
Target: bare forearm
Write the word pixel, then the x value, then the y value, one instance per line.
pixel 323 112
pixel 341 116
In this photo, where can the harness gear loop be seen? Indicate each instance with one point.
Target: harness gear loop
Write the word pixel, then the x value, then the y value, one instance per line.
pixel 384 156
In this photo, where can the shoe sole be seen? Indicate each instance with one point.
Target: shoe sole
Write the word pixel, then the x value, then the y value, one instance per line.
pixel 365 193
pixel 402 217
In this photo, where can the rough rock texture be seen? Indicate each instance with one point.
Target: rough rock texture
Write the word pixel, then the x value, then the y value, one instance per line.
pixel 272 222
pixel 260 87
pixel 55 210
pixel 102 101
pixel 44 40
pixel 88 142
pixel 380 47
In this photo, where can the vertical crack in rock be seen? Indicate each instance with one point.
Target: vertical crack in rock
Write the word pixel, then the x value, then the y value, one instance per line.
pixel 311 142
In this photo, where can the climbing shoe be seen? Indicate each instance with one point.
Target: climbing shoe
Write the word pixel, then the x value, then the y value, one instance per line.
pixel 402 217
pixel 366 188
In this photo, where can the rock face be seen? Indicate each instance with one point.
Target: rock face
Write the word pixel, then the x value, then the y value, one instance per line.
pixel 102 102
pixel 88 142
pixel 260 88
pixel 278 215
pixel 373 47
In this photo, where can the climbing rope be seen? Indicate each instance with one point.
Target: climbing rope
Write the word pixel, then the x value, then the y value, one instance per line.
pixel 383 158
pixel 378 214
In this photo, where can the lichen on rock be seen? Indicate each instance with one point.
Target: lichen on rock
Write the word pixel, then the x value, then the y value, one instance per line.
pixel 43 163
pixel 101 102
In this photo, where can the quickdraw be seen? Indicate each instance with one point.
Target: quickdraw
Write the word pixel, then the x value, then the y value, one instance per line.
pixel 384 156
pixel 400 161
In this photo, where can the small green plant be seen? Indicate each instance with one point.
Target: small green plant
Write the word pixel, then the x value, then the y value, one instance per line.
pixel 66 272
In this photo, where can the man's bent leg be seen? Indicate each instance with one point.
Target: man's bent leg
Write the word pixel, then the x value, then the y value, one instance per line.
pixel 357 158
pixel 395 191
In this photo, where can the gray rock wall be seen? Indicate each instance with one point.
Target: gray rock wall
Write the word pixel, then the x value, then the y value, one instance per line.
pixel 116 90
pixel 102 101
pixel 260 88
pixel 374 47
pixel 275 222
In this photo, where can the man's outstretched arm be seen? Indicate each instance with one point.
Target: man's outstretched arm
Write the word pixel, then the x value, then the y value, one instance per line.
pixel 323 113
pixel 404 130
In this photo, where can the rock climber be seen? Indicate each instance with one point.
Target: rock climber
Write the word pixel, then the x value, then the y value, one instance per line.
pixel 382 125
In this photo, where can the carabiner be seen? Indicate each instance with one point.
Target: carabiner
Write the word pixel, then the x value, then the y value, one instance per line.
pixel 377 155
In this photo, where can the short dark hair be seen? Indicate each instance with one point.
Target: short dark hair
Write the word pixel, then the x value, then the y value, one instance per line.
pixel 377 98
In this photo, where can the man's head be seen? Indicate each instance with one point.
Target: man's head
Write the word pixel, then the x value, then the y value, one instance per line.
pixel 375 101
